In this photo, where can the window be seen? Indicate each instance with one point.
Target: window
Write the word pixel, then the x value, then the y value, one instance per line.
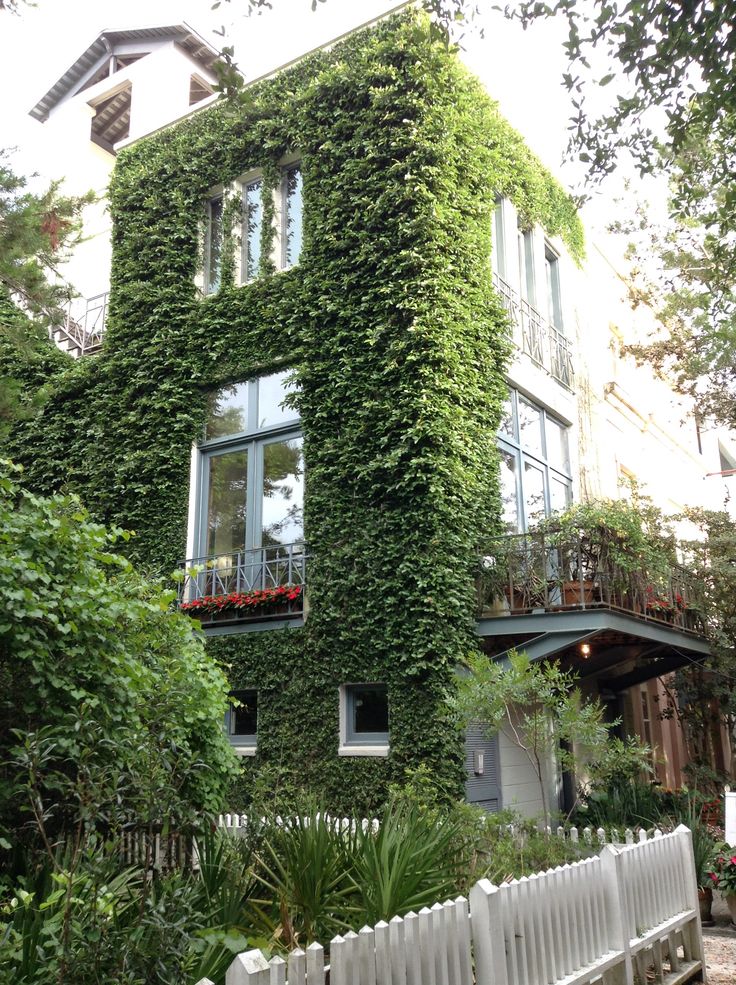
pixel 552 274
pixel 363 720
pixel 241 721
pixel 213 245
pixel 252 227
pixel 291 216
pixel 498 252
pixel 535 476
pixel 251 485
pixel 525 240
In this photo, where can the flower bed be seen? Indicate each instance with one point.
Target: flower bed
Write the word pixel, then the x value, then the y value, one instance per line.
pixel 243 603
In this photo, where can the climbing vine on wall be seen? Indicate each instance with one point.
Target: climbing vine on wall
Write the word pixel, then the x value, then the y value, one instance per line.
pixel 399 346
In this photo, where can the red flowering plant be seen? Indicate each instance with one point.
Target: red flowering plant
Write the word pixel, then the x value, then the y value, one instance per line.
pixel 659 604
pixel 723 872
pixel 242 602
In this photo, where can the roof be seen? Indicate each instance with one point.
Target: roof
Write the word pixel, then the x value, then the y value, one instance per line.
pixel 195 46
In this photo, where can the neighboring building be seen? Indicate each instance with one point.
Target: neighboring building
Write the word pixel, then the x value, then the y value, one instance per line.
pixel 307 288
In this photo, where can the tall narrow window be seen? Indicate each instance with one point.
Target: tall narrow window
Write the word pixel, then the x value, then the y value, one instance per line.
pixel 252 226
pixel 498 247
pixel 525 241
pixel 552 274
pixel 291 232
pixel 213 246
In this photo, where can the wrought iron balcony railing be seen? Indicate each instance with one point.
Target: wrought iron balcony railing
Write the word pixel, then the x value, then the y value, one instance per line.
pixel 264 583
pixel 527 573
pixel 543 343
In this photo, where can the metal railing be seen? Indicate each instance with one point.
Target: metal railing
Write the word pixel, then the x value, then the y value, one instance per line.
pixel 543 343
pixel 524 573
pixel 85 323
pixel 245 571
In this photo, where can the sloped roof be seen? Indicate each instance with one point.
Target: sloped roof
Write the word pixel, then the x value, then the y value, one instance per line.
pixel 195 46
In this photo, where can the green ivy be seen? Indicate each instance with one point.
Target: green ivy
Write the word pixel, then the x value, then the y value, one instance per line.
pixel 399 345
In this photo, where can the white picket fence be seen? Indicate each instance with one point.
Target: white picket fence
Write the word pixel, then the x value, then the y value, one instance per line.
pixel 629 911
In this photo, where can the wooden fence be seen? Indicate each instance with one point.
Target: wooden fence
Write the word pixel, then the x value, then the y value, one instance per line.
pixel 626 915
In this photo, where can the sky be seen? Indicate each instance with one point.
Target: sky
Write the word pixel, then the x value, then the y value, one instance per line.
pixel 521 69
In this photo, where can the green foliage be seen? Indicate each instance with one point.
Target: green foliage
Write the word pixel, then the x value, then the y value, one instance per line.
pixel 399 348
pixel 98 923
pixel 539 709
pixel 109 703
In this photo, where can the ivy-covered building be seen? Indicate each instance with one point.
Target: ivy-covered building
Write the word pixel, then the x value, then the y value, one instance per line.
pixel 299 399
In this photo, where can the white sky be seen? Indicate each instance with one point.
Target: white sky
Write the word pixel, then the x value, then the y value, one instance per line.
pixel 522 70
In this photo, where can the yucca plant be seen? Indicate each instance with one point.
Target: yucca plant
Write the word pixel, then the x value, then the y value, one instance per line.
pixel 412 860
pixel 305 870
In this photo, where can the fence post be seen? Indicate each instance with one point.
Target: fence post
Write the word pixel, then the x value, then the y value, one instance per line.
pixel 730 798
pixel 488 940
pixel 694 929
pixel 248 968
pixel 616 910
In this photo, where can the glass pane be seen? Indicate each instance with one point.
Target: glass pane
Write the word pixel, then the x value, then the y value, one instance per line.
pixel 272 391
pixel 498 254
pixel 214 245
pixel 554 304
pixel 292 215
pixel 509 497
pixel 557 447
pixel 370 709
pixel 243 719
pixel 226 505
pixel 533 485
pixel 507 418
pixel 526 264
pixel 228 411
pixel 530 427
pixel 559 495
pixel 282 518
pixel 252 225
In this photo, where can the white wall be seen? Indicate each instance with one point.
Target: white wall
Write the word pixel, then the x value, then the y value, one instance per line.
pixel 520 789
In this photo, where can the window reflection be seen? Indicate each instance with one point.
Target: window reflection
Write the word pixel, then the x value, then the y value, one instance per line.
pixel 530 427
pixel 282 517
pixel 226 505
pixel 272 392
pixel 228 411
pixel 252 226
pixel 292 207
pixel 509 493
pixel 213 262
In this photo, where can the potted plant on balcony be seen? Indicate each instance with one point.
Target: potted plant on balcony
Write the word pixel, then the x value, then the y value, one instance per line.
pixel 608 550
pixel 723 877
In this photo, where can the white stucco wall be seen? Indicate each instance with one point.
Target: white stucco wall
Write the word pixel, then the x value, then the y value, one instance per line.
pixel 520 789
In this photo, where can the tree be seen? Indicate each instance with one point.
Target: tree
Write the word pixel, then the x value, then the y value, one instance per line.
pixel 110 707
pixel 538 708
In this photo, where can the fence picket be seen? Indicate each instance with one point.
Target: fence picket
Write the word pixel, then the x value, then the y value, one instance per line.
pixel 277 972
pixel 352 957
pixel 411 939
pixel 397 948
pixel 383 954
pixel 367 957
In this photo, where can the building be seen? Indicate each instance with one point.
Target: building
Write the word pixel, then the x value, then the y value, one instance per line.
pixel 305 367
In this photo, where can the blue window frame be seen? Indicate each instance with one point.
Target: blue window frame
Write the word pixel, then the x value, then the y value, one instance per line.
pixel 366 714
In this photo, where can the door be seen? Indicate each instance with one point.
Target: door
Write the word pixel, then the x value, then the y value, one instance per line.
pixel 482 786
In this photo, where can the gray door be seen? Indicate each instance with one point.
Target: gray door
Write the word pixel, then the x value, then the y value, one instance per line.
pixel 482 786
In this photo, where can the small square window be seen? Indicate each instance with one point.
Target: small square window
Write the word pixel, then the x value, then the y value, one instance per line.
pixel 364 719
pixel 241 720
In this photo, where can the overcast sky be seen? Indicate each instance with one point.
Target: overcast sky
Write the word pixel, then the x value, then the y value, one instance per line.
pixel 522 70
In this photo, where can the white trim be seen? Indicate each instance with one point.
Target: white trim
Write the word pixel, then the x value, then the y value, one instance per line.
pixel 244 750
pixel 355 750
pixel 195 465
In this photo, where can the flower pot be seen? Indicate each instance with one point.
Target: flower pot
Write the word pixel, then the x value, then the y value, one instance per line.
pixel 705 899
pixel 731 901
pixel 577 593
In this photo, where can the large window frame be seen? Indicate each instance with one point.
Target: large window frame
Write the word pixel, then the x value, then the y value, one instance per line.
pixel 526 457
pixel 355 742
pixel 254 439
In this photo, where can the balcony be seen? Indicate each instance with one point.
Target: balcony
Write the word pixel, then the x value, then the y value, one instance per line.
pixel 535 573
pixel 543 343
pixel 84 326
pixel 266 585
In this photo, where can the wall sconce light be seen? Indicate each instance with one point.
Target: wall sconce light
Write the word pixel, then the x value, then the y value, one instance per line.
pixel 585 650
